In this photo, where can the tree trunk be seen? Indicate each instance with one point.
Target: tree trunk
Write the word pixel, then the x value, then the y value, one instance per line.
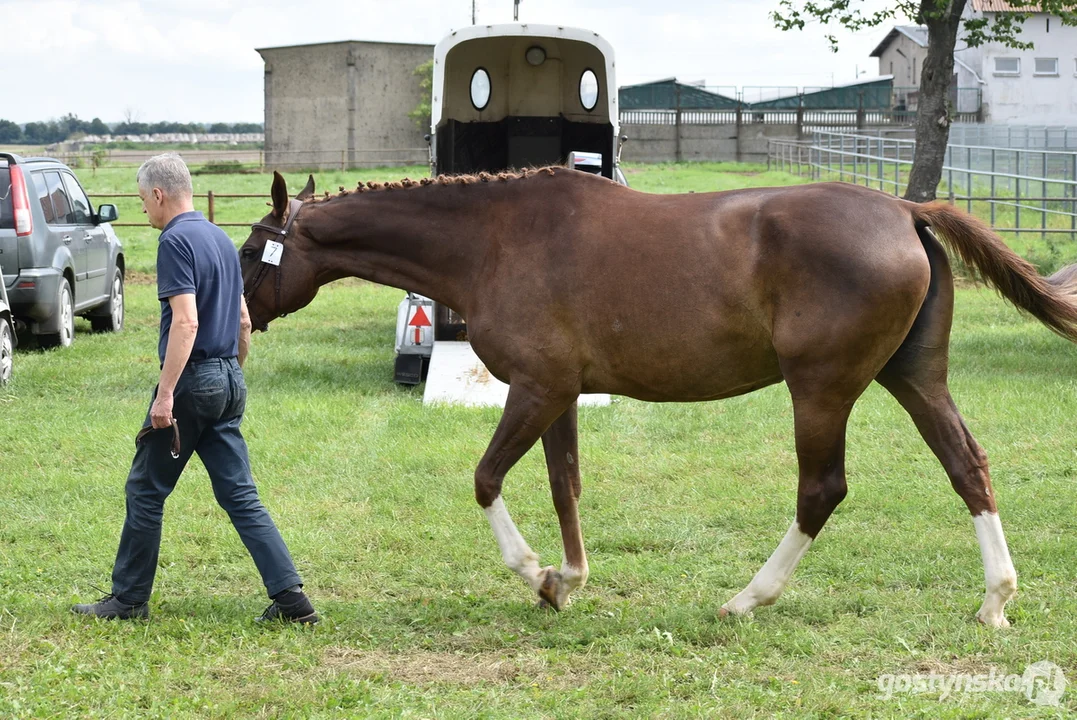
pixel 943 19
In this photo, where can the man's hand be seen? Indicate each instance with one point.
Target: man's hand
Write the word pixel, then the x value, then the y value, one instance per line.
pixel 161 410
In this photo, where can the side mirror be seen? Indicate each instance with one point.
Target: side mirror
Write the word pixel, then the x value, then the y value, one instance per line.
pixel 107 214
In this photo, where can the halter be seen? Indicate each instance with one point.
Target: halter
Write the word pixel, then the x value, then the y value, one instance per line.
pixel 293 210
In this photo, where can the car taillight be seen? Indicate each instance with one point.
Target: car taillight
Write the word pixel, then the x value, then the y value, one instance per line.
pixel 24 220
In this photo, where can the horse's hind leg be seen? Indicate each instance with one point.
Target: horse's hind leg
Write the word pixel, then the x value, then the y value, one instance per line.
pixel 820 443
pixel 916 376
pixel 562 459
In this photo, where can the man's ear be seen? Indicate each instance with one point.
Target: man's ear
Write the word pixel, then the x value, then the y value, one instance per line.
pixel 308 191
pixel 279 193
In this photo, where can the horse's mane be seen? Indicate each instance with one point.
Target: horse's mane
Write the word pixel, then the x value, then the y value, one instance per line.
pixel 408 183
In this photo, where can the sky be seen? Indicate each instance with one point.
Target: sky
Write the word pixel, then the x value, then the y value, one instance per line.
pixel 195 60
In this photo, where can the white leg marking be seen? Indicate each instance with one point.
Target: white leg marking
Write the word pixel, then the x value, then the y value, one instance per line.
pixel 999 574
pixel 514 549
pixel 572 578
pixel 771 579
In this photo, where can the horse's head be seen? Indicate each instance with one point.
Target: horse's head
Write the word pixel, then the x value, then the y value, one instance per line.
pixel 278 278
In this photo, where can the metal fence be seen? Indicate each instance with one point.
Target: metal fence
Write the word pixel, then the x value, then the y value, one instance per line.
pixel 259 159
pixel 1017 190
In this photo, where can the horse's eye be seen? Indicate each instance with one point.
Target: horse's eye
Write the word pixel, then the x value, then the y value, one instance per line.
pixel 247 252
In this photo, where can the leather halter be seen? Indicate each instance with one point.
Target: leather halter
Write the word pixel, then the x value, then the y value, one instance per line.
pixel 282 233
pixel 174 448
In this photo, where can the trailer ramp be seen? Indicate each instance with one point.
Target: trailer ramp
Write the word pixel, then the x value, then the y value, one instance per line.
pixel 457 377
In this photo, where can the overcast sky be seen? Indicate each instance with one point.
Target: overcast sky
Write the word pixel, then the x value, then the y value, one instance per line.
pixel 194 60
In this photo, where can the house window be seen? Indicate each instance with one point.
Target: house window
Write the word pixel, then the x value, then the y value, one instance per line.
pixel 892 66
pixel 1007 66
pixel 1046 66
pixel 915 77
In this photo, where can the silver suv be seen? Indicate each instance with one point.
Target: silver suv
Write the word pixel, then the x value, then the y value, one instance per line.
pixel 58 257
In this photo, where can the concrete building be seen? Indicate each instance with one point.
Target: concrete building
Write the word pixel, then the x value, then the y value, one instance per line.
pixel 343 104
pixel 901 55
pixel 1030 87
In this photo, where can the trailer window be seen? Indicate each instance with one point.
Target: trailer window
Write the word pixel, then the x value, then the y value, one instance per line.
pixel 588 90
pixel 480 89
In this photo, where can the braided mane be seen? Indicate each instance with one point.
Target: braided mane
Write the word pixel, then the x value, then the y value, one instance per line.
pixel 408 183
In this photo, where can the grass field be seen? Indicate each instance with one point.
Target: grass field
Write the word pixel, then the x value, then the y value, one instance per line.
pixel 682 503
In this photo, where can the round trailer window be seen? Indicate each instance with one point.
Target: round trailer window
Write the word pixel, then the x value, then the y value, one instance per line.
pixel 480 89
pixel 588 90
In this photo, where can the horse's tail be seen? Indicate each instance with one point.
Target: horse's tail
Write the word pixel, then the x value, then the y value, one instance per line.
pixel 1052 301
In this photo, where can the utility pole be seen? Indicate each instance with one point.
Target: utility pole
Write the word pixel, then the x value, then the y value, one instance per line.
pixel 472 12
pixel 516 10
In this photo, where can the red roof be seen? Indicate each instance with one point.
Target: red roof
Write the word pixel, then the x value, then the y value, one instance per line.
pixel 1004 6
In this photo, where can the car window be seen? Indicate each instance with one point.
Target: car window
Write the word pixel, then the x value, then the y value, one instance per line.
pixel 7 208
pixel 79 202
pixel 64 213
pixel 43 198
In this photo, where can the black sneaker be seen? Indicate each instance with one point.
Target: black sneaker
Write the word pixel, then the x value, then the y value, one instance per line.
pixel 109 608
pixel 292 606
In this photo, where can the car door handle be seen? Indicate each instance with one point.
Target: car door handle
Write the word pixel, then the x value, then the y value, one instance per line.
pixel 67 239
pixel 88 238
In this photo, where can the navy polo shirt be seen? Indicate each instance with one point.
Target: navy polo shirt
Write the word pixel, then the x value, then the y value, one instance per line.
pixel 194 256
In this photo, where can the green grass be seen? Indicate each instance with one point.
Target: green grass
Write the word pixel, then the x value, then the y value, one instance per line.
pixel 682 503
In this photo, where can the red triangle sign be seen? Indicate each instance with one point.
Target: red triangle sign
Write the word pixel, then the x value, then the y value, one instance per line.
pixel 419 319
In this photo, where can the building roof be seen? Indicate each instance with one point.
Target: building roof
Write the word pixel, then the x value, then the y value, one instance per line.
pixel 1004 6
pixel 668 94
pixel 916 33
pixel 345 42
pixel 867 94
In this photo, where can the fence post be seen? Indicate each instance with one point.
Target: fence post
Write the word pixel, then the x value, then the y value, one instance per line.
pixel 209 196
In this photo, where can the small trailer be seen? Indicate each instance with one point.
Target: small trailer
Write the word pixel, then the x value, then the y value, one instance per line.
pixel 505 97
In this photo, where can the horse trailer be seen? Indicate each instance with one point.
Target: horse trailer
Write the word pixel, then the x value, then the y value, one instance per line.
pixel 506 97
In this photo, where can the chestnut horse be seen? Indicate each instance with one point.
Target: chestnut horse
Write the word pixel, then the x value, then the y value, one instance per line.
pixel 826 286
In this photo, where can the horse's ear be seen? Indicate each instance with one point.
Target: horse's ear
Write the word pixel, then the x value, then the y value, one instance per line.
pixel 308 191
pixel 279 193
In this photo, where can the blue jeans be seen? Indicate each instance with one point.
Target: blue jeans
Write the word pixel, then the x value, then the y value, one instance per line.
pixel 209 401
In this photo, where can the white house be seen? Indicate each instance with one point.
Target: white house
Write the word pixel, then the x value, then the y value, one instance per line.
pixel 1028 87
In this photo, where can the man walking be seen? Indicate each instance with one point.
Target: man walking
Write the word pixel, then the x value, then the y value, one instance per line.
pixel 205 337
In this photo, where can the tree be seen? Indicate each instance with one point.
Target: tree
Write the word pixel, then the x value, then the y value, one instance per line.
pixel 10 132
pixel 97 127
pixel 944 22
pixel 421 114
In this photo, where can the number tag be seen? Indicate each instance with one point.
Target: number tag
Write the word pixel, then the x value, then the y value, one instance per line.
pixel 272 252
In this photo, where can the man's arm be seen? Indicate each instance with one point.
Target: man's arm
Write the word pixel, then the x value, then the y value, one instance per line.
pixel 181 337
pixel 244 331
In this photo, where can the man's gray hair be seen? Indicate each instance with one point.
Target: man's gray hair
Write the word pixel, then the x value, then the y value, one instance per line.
pixel 168 172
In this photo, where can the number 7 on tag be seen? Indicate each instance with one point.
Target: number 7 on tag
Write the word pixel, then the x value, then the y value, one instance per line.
pixel 272 252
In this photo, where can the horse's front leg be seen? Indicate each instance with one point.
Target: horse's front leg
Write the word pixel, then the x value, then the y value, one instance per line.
pixel 563 462
pixel 529 411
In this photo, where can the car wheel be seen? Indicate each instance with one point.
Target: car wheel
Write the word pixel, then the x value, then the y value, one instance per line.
pixel 66 336
pixel 113 322
pixel 7 350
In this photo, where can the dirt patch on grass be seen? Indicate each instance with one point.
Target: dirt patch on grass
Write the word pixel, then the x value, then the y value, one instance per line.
pixel 957 666
pixel 134 277
pixel 418 666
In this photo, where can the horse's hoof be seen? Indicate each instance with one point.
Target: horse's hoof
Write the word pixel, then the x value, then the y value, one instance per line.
pixel 551 583
pixel 998 621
